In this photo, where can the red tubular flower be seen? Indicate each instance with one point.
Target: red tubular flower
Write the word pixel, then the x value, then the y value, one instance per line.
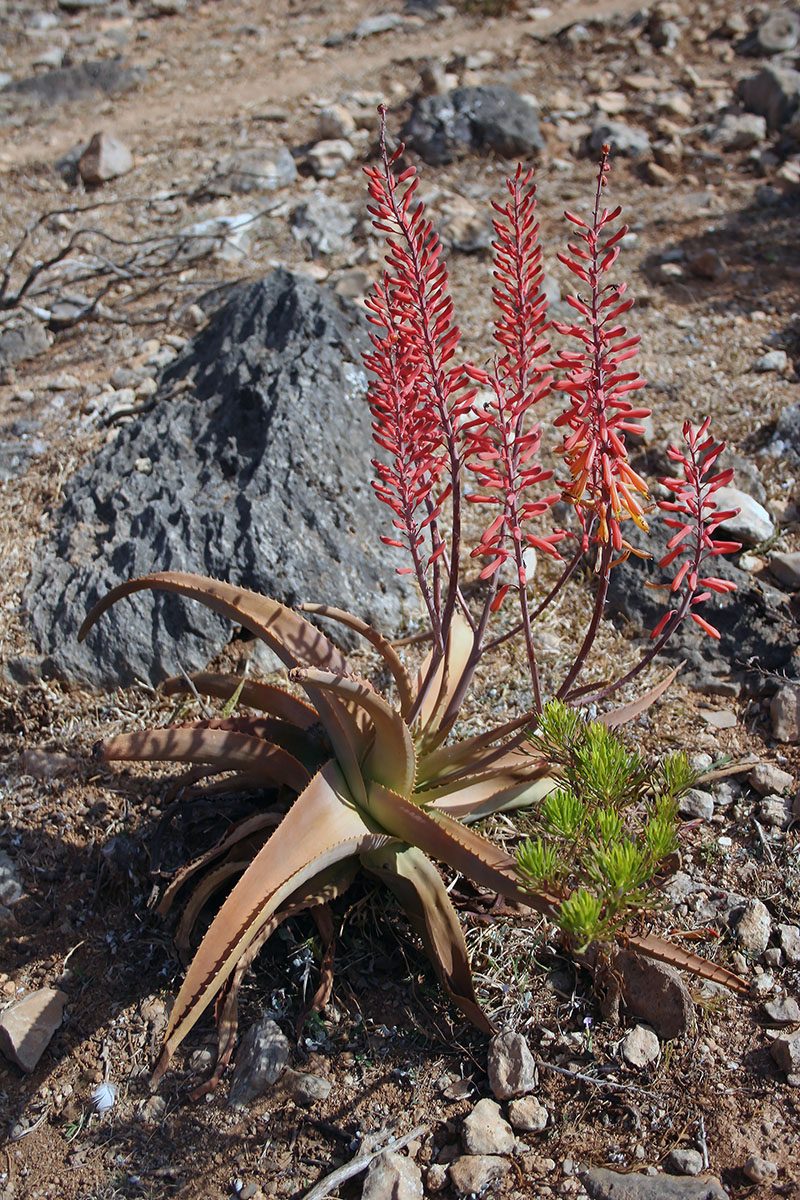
pixel 602 485
pixel 502 440
pixel 696 518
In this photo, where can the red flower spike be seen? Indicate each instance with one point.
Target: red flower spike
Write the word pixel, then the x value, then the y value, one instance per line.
pixel 696 520
pixel 601 485
pixel 502 441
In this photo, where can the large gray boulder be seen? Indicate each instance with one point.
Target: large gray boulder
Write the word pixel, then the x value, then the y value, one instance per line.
pixel 467 119
pixel 254 467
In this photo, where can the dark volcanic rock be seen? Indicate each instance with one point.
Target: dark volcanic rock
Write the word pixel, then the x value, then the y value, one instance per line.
pixel 497 118
pixel 76 83
pixel 774 93
pixel 756 628
pixel 257 472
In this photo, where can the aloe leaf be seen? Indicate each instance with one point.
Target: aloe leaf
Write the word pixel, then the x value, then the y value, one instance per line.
pixel 447 840
pixel 629 712
pixel 323 827
pixel 499 793
pixel 445 681
pixel 292 638
pixel 210 883
pixel 381 644
pixel 391 759
pixel 418 886
pixel 254 694
pixel 241 832
pixel 658 948
pixel 469 751
pixel 221 748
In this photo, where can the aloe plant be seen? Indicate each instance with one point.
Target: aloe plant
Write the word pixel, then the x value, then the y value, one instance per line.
pixel 362 780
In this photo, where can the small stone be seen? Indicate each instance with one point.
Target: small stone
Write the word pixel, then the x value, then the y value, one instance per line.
pixel 322 225
pixel 262 1055
pixel 753 928
pixel 775 812
pixel 527 1115
pixel 602 1184
pixel 773 93
pixel 106 157
pixel 640 1047
pixel 786 1052
pixel 153 1109
pixel 10 887
pixel 511 1068
pixel 778 33
pixel 392 1177
pixel 768 779
pixel 328 158
pixel 658 175
pixel 304 1087
pixel 782 1011
pixel 27 1026
pixel 752 524
pixel 654 992
pixel 706 264
pixel 786 568
pixel 739 131
pixel 436 1177
pixel 22 341
pixel 784 712
pixel 774 360
pixel 697 803
pixel 789 936
pixel 463 225
pixel 760 1170
pixel 473 1174
pixel 255 169
pixel 335 122
pixel 623 140
pixel 485 1130
pixel 382 23
pixel 685 1161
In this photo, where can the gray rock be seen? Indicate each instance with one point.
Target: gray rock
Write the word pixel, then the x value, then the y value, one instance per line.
pixel 328 158
pixel 609 1185
pixel 760 1170
pixel 786 568
pixel 436 1177
pixel 335 121
pixel 443 127
pixel 22 341
pixel 511 1068
pixel 79 5
pixel 323 225
pixel 381 23
pixel 738 131
pixel 753 927
pixel 261 1057
pixel 751 525
pixel 766 778
pixel 11 889
pixel 685 1160
pixel 774 360
pixel 46 764
pixel 305 1088
pixel 697 803
pixel 778 32
pixel 775 811
pixel 786 1052
pixel 474 1174
pixel 640 1047
pixel 27 1026
pixel 789 936
pixel 774 93
pixel 256 169
pixel 486 1131
pixel 788 428
pixel 784 1010
pixel 784 711
pixel 392 1177
pixel 110 77
pixel 106 157
pixel 654 992
pixel 623 140
pixel 463 225
pixel 527 1115
pixel 260 475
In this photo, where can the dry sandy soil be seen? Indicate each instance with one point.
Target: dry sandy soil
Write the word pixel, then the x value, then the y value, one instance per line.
pixel 85 840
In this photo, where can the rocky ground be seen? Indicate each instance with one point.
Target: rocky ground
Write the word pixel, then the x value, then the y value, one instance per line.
pixel 153 154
